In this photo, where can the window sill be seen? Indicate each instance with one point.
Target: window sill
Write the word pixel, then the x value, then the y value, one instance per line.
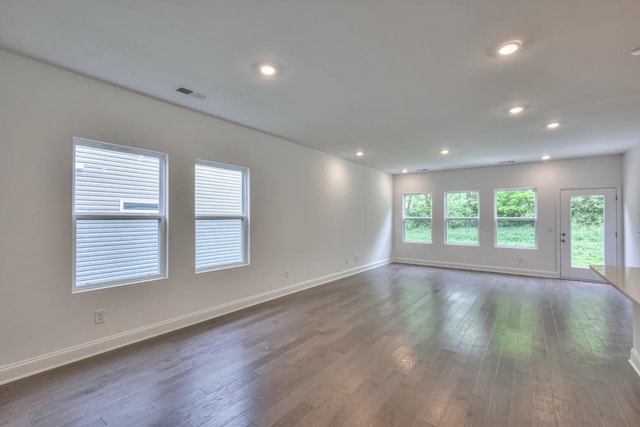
pixel 89 288
pixel 221 267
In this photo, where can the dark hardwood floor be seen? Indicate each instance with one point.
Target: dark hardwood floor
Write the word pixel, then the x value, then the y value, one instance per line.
pixel 399 345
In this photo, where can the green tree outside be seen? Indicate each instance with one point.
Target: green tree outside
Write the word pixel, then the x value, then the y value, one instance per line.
pixel 517 229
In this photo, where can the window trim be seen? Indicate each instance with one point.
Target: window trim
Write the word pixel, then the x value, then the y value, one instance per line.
pixel 496 219
pixel 453 218
pixel 244 217
pixel 405 218
pixel 161 215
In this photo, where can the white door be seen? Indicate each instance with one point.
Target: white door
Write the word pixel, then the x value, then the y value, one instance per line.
pixel 588 231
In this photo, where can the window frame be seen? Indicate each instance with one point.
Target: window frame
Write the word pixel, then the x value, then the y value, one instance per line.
pixel 447 218
pixel 496 218
pixel 161 215
pixel 244 217
pixel 405 218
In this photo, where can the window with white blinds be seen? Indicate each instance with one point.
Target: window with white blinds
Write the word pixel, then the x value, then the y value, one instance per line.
pixel 119 206
pixel 222 221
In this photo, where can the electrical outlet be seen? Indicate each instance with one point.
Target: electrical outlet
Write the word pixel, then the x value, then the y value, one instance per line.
pixel 355 258
pixel 99 316
pixel 286 274
pixel 346 260
pixel 520 260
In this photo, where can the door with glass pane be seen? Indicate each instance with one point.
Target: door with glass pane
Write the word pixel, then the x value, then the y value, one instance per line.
pixel 587 231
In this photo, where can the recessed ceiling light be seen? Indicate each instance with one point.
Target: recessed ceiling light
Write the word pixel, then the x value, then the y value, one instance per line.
pixel 404 170
pixel 516 110
pixel 509 48
pixel 267 69
pixel 359 153
pixel 546 157
pixel 636 52
pixel 553 125
pixel 444 151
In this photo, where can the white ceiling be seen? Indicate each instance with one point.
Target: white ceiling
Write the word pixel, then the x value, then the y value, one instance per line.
pixel 398 79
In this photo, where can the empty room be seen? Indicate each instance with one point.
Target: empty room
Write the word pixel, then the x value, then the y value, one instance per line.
pixel 331 213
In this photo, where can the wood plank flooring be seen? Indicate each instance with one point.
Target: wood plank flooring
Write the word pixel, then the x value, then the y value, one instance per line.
pixel 396 346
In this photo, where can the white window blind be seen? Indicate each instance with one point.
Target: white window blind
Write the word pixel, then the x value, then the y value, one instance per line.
pixel 221 215
pixel 119 214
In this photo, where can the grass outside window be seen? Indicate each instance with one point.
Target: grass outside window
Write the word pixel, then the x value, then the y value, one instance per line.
pixel 416 214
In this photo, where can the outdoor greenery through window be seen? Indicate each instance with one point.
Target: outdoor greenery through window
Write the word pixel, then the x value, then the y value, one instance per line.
pixel 417 218
pixel 462 218
pixel 587 231
pixel 516 213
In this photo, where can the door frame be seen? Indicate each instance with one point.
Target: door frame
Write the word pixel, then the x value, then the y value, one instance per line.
pixel 619 255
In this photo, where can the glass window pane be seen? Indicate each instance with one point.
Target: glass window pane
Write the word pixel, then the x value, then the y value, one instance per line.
pixel 517 234
pixel 218 190
pixel 462 231
pixel 116 250
pixel 587 231
pixel 417 230
pixel 462 205
pixel 417 205
pixel 516 203
pixel 108 180
pixel 219 242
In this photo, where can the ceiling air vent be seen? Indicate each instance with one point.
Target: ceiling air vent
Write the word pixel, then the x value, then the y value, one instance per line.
pixel 507 162
pixel 189 92
pixel 423 170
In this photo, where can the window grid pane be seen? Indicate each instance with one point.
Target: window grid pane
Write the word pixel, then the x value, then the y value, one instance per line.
pixel 219 191
pixel 104 178
pixel 115 250
pixel 417 230
pixel 417 205
pixel 516 203
pixel 462 231
pixel 516 234
pixel 219 242
pixel 462 204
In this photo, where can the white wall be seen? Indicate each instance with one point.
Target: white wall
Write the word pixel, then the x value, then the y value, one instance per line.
pixel 309 211
pixel 548 177
pixel 631 198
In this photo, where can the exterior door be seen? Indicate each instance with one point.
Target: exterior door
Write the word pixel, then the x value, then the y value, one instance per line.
pixel 588 231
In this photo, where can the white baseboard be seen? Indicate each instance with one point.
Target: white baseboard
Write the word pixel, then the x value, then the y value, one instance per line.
pixel 478 267
pixel 634 360
pixel 45 362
